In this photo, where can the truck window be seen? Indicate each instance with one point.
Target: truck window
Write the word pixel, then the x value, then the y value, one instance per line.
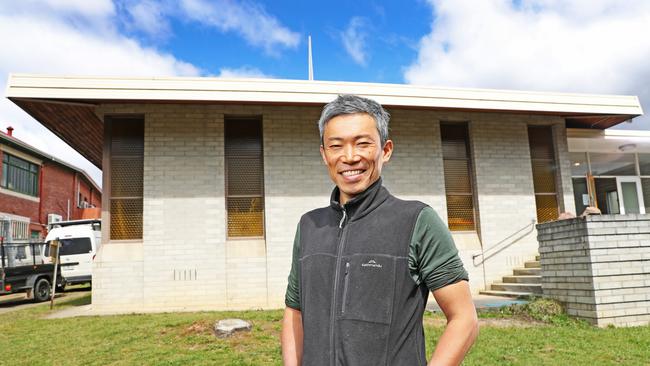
pixel 72 246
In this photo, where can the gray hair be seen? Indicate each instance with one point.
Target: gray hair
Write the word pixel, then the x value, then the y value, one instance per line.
pixel 350 104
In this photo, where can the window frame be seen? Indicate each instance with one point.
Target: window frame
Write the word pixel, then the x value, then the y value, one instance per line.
pixel 556 170
pixel 471 172
pixel 6 165
pixel 107 176
pixel 242 118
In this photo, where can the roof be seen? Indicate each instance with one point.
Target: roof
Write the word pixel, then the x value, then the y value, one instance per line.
pixel 65 104
pixel 16 143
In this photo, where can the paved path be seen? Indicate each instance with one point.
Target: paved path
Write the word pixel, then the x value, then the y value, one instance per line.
pixel 14 302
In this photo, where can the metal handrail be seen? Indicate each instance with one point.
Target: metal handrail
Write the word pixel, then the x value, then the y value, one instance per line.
pixel 484 250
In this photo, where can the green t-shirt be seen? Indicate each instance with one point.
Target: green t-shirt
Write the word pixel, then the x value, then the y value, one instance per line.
pixel 433 257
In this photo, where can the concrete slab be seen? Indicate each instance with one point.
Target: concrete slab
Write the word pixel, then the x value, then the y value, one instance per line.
pixel 480 301
pixel 483 302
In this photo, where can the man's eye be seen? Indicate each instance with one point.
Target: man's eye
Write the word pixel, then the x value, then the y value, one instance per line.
pixel 335 146
pixel 363 143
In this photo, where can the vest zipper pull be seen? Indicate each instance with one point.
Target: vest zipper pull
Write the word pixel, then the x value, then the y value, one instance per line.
pixel 342 219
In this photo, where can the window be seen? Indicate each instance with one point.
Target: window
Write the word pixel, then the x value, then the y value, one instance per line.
pixel 645 188
pixel 579 164
pixel 19 175
pixel 461 209
pixel 75 246
pixel 126 154
pixel 542 155
pixel 581 194
pixel 244 177
pixel 644 164
pixel 612 164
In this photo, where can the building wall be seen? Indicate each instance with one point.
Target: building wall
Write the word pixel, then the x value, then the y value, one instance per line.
pixel 57 186
pixel 14 203
pixel 184 261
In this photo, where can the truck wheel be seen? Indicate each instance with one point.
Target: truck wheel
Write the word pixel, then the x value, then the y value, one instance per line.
pixel 42 290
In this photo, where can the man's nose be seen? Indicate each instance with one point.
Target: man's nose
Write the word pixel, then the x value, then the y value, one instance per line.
pixel 350 154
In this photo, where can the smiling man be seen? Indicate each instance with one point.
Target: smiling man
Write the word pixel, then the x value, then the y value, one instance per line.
pixel 363 267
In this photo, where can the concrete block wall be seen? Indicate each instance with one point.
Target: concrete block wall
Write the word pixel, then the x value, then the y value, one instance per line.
pixel 295 181
pixel 184 261
pixel 599 267
pixel 505 189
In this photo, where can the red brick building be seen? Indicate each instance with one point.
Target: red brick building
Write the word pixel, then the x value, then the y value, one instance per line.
pixel 36 187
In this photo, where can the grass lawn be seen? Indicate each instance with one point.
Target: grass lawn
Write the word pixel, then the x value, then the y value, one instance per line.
pixel 508 337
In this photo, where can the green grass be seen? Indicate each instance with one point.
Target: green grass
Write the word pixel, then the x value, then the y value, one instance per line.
pixel 187 339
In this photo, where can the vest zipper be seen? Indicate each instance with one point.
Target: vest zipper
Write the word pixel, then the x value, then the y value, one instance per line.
pixel 342 232
pixel 345 287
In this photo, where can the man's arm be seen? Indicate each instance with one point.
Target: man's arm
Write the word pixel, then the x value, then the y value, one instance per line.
pixel 455 300
pixel 292 337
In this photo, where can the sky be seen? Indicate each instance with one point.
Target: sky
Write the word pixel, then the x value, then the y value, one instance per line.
pixel 585 46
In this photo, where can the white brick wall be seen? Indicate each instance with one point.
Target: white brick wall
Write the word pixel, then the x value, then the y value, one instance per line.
pixel 184 260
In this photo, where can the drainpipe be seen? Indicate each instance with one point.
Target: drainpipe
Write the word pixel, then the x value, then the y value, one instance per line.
pixel 40 195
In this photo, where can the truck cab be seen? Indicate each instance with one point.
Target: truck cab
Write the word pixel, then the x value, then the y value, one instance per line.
pixel 79 240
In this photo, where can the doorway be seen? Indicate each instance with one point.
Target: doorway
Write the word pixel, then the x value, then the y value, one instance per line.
pixel 619 195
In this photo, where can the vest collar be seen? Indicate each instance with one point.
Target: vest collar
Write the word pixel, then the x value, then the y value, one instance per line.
pixel 363 203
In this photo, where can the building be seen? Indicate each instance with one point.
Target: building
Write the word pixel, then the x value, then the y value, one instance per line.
pixel 611 170
pixel 206 178
pixel 36 188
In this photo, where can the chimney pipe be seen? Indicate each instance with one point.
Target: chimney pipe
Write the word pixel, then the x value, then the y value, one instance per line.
pixel 10 131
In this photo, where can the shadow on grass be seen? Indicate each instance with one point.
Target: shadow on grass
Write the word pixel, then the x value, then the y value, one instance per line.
pixel 78 301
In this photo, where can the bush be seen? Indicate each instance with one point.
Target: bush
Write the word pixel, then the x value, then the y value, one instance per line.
pixel 540 309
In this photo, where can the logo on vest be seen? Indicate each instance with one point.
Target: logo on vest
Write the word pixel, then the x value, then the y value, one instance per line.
pixel 371 263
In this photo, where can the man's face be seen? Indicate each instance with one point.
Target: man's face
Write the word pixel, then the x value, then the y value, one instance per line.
pixel 353 153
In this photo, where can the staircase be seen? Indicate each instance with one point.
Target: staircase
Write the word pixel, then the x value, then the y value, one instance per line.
pixel 524 282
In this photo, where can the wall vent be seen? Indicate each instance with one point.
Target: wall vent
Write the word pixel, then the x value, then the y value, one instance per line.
pixel 185 274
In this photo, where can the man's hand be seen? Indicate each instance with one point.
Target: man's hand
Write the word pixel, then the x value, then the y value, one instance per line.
pixel 462 324
pixel 292 337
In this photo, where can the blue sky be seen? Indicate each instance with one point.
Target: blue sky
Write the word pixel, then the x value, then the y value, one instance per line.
pixel 387 34
pixel 585 46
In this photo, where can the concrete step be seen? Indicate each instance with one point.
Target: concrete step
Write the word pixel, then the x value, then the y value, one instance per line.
pixel 532 264
pixel 522 279
pixel 532 288
pixel 516 295
pixel 527 271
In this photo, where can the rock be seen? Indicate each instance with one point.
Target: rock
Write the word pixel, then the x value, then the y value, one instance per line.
pixel 591 211
pixel 226 327
pixel 566 216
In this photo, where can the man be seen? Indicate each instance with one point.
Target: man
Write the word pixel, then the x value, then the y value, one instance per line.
pixel 363 267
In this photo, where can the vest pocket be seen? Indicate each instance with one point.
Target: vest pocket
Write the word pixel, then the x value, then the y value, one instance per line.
pixel 368 288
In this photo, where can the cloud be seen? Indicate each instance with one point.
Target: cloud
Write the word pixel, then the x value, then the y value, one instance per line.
pixel 248 19
pixel 73 40
pixel 354 40
pixel 596 46
pixel 85 8
pixel 242 72
pixel 149 16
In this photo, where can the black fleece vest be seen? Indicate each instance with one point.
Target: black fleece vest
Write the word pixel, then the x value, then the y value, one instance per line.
pixel 359 303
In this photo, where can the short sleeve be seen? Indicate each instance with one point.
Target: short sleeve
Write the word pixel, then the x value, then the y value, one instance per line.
pixel 292 296
pixel 433 257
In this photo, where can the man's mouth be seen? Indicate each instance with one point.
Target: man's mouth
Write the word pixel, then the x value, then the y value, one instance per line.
pixel 349 173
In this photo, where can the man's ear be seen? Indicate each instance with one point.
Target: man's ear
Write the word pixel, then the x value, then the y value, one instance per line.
pixel 387 151
pixel 322 154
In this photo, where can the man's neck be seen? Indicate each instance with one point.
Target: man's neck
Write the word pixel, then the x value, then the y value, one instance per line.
pixel 345 198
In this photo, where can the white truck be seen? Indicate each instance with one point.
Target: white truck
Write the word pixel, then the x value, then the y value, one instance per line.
pixel 79 240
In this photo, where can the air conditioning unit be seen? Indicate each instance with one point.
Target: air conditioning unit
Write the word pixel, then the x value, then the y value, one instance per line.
pixel 54 218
